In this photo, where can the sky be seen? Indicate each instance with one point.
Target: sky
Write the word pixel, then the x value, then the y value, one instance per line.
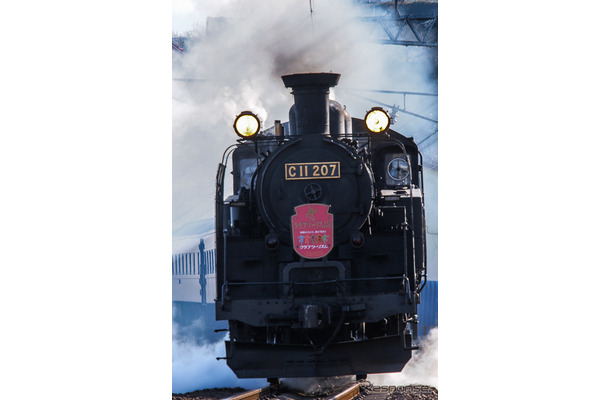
pixel 190 14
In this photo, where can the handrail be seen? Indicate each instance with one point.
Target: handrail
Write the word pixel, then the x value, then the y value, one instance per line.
pixel 337 281
pixel 423 213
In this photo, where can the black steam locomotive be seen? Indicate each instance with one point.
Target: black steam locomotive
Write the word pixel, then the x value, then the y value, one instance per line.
pixel 321 252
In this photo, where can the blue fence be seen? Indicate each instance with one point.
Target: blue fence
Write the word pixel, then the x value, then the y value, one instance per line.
pixel 427 310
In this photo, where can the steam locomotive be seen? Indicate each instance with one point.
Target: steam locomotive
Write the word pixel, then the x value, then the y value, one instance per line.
pixel 321 253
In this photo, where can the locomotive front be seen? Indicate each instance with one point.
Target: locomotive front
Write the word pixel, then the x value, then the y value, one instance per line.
pixel 321 246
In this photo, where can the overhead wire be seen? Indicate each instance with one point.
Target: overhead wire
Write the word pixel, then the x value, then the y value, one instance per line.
pixel 392 107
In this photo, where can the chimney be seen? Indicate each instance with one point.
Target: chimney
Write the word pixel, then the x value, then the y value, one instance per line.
pixel 311 104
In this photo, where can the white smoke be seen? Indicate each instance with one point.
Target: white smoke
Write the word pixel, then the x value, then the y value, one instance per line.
pixel 195 367
pixel 188 15
pixel 422 369
pixel 236 65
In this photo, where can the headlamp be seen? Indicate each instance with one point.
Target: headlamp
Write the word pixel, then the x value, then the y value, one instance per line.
pixel 377 120
pixel 247 124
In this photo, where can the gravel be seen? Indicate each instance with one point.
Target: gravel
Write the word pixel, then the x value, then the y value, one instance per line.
pixel 208 394
pixel 408 392
pixel 414 392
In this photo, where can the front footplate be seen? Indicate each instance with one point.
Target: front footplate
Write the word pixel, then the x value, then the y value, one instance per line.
pixel 261 360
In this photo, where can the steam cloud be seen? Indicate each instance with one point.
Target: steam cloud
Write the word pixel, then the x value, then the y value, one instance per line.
pixel 194 351
pixel 236 64
pixel 194 366
pixel 421 369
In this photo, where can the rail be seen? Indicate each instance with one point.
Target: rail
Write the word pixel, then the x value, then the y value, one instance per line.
pixel 348 394
pixel 275 392
pixel 255 394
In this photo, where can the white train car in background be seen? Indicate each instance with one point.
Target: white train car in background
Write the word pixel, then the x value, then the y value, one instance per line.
pixel 194 268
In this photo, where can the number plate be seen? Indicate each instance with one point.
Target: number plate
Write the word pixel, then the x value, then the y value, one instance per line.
pixel 312 170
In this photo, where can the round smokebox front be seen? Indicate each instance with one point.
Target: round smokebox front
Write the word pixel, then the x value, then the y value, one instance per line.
pixel 315 170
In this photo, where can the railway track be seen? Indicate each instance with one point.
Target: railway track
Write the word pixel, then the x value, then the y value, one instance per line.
pixel 276 392
pixel 363 390
pixel 256 394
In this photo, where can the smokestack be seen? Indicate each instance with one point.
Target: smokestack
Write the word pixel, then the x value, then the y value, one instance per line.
pixel 311 104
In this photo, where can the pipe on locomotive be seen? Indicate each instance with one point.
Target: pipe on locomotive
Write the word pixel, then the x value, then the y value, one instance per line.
pixel 310 114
